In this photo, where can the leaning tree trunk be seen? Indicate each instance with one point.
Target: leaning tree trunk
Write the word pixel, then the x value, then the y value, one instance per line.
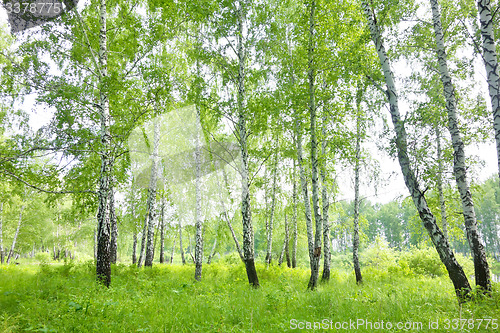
pixel 13 247
pixel 103 264
pixel 248 237
pixel 150 248
pixel 269 254
pixel 355 239
pixel 491 63
pixel 114 228
pixel 295 231
pixel 198 252
pixel 455 271
pixel 314 159
pixel 327 258
pixel 442 202
pixel 481 269
pixel 2 255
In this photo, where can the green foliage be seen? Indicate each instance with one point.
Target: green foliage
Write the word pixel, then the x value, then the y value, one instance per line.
pixel 166 298
pixel 423 262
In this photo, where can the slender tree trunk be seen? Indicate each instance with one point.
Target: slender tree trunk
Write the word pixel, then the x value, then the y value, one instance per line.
pixel 142 253
pixel 103 264
pixel 95 245
pixel 442 202
pixel 226 216
pixel 295 231
pixel 134 248
pixel 285 252
pixel 314 159
pixel 172 253
pixel 162 231
pixel 491 64
pixel 180 243
pixel 355 241
pixel 482 271
pixel 191 251
pixel 198 252
pixel 455 271
pixel 114 227
pixel 305 194
pixel 327 258
pixel 150 248
pixel 212 252
pixel 2 254
pixel 248 237
pixel 269 254
pixel 13 247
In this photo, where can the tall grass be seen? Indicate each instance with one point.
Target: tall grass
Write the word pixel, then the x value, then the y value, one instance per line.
pixel 165 298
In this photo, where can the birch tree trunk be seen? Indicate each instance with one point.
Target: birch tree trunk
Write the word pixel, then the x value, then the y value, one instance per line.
pixel 442 202
pixel 491 64
pixel 248 237
pixel 172 253
pixel 198 252
pixel 314 159
pixel 2 254
pixel 481 269
pixel 183 258
pixel 285 251
pixel 114 228
pixel 212 252
pixel 327 258
pixel 271 216
pixel 150 248
pixel 103 264
pixel 134 248
pixel 305 194
pixel 142 253
pixel 295 231
pixel 162 231
pixel 13 247
pixel 355 239
pixel 455 271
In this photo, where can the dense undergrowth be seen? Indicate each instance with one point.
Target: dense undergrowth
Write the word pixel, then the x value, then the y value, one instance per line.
pixel 65 298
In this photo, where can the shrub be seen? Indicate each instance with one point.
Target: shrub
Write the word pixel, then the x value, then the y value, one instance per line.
pixel 424 262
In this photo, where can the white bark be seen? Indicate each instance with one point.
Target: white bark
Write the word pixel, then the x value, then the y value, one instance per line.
pixel 103 264
pixel 271 215
pixel 152 196
pixel 248 237
pixel 455 271
pixel 13 247
pixel 314 159
pixel 482 272
pixel 198 217
pixel 491 64
pixel 355 241
pixel 326 206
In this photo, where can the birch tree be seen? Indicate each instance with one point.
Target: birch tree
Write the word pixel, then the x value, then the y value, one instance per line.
pixel 482 272
pixel 455 271
pixel 491 64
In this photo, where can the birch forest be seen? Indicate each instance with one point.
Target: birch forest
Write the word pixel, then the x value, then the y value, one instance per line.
pixel 249 166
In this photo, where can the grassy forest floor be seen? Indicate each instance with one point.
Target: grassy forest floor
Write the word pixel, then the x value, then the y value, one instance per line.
pixel 65 298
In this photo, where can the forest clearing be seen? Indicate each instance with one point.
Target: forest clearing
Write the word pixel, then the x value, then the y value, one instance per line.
pixel 249 165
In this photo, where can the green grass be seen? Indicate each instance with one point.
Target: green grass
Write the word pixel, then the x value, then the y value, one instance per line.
pixel 65 298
